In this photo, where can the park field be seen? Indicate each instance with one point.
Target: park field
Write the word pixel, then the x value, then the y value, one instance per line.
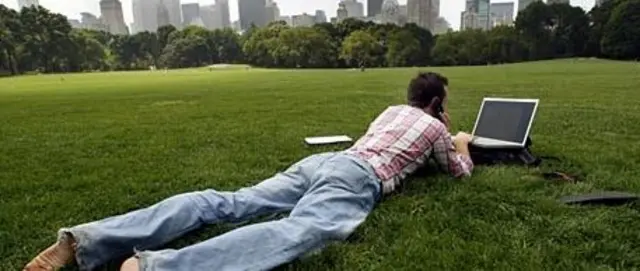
pixel 80 147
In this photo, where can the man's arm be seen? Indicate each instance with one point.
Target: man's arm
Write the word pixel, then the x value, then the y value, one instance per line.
pixel 452 155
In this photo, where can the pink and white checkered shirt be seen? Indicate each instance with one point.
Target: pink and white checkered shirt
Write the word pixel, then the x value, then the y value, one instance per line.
pixel 401 140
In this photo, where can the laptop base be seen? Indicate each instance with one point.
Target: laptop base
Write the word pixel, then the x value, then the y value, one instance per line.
pixel 494 155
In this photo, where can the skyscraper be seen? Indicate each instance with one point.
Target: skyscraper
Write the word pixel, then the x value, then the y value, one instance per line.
pixel 172 8
pixel 272 11
pixel 215 16
pixel 354 8
pixel 27 3
pixel 522 4
pixel 149 15
pixel 390 12
pixel 374 7
pixel 112 16
pixel 302 20
pixel 223 10
pixel 342 12
pixel 502 13
pixel 320 17
pixel 90 21
pixel 210 16
pixel 558 2
pixel 162 13
pixel 190 13
pixel 424 13
pixel 477 14
pixel 252 12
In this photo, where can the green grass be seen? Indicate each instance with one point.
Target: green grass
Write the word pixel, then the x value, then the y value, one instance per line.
pixel 77 148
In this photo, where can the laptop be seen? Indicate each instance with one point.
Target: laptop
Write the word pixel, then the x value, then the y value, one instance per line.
pixel 504 123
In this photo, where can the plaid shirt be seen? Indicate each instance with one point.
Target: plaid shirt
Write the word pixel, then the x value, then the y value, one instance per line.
pixel 401 140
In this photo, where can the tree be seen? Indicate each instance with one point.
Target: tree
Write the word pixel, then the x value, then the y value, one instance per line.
pixel 403 49
pixel 45 35
pixel 427 41
pixel 359 49
pixel 504 45
pixel 599 16
pixel 621 39
pixel 445 50
pixel 163 33
pixel 534 24
pixel 570 30
pixel 190 51
pixel 226 46
pixel 258 49
pixel 304 47
pixel 84 53
pixel 10 38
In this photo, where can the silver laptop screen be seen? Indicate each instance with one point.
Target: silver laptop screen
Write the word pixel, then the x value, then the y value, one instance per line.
pixel 505 120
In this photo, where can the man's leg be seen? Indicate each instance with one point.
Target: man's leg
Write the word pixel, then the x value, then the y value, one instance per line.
pixel 342 194
pixel 100 241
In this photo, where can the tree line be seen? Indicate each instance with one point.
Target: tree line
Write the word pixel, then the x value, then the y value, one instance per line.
pixel 37 40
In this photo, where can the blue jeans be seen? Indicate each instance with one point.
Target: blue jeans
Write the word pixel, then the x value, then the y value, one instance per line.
pixel 328 195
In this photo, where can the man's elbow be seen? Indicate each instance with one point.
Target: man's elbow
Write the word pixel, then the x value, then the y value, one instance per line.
pixel 465 170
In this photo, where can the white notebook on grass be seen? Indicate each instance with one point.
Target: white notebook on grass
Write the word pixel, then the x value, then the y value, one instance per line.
pixel 324 140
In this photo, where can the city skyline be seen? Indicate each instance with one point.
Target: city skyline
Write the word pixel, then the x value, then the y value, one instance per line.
pixel 450 9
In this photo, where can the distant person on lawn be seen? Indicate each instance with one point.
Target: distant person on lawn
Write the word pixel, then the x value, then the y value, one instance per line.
pixel 329 195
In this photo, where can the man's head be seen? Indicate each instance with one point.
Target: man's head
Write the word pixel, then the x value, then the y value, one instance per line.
pixel 428 91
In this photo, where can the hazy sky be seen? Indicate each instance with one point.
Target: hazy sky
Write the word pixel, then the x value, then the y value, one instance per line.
pixel 450 9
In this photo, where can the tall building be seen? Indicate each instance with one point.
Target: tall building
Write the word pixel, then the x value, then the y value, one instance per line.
pixel 90 21
pixel 162 13
pixel 272 12
pixel 502 13
pixel 146 15
pixel 374 7
pixel 320 17
pixel 424 13
pixel 302 20
pixel 215 16
pixel 112 16
pixel 522 4
pixel 252 12
pixel 442 26
pixel 222 7
pixel 390 12
pixel 354 8
pixel 149 15
pixel 342 12
pixel 477 14
pixel 286 19
pixel 210 17
pixel 190 13
pixel 172 8
pixel 558 2
pixel 27 3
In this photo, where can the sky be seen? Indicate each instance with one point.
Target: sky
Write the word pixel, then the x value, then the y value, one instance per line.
pixel 449 9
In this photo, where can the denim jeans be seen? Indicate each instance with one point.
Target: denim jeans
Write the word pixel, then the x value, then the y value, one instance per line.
pixel 328 195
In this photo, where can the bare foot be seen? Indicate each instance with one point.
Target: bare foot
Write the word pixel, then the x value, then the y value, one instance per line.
pixel 53 258
pixel 130 264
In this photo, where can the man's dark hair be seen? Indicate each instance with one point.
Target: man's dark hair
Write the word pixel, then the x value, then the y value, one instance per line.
pixel 426 86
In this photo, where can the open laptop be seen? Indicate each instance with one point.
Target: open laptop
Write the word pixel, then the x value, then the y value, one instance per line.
pixel 504 123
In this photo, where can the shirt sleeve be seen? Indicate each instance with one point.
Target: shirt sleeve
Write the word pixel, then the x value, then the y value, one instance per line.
pixel 448 159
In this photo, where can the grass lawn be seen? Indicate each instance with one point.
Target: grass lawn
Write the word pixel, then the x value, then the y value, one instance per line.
pixel 77 148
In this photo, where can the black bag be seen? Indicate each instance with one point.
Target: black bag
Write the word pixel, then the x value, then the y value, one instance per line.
pixel 504 156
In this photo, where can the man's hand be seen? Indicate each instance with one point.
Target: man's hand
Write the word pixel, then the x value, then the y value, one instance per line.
pixel 463 138
pixel 461 141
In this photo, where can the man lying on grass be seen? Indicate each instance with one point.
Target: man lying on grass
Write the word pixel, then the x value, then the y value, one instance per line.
pixel 328 195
